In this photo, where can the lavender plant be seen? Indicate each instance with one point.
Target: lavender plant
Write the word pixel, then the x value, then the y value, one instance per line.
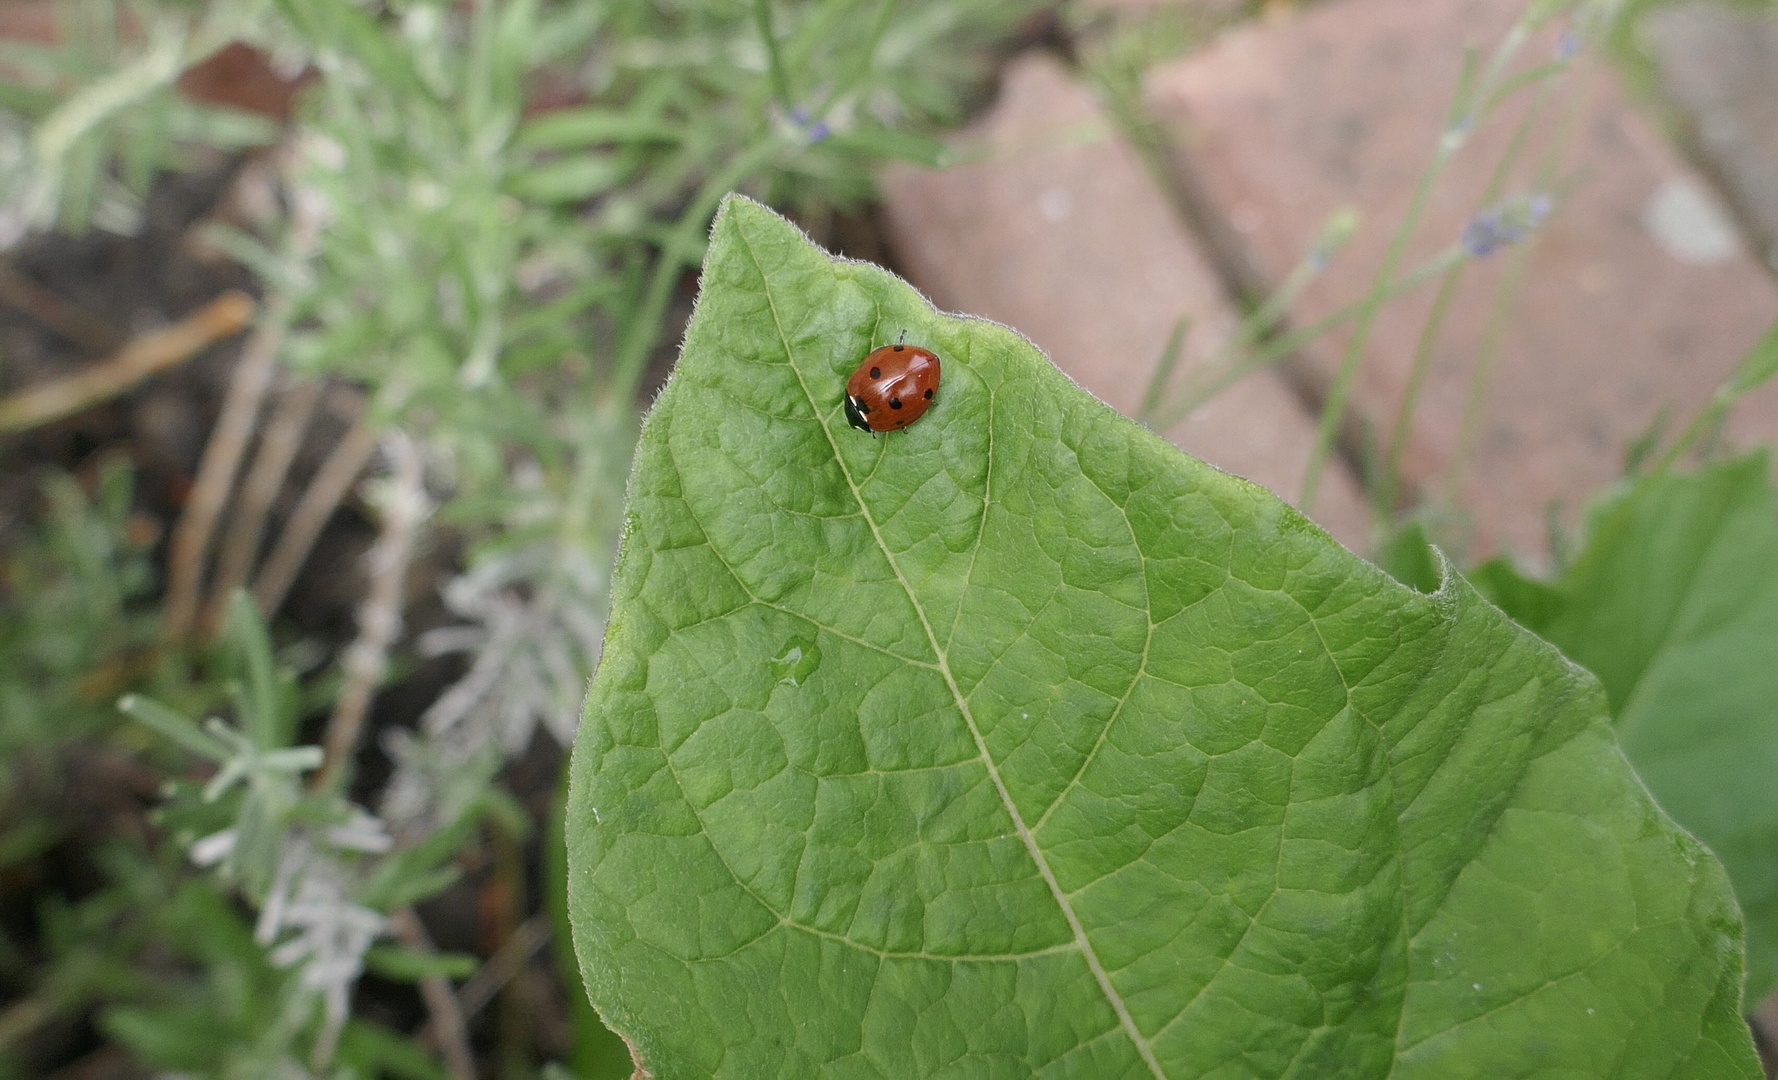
pixel 308 861
pixel 493 284
pixel 88 121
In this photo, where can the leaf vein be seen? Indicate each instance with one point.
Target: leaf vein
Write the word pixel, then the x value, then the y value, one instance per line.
pixel 1086 947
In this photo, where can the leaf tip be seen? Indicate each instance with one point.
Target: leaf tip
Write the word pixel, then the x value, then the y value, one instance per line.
pixel 736 205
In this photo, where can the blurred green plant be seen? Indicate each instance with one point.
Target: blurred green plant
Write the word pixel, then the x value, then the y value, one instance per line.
pixel 1673 602
pixel 74 617
pixel 89 119
pixel 323 873
pixel 480 215
pixel 73 626
pixel 1671 599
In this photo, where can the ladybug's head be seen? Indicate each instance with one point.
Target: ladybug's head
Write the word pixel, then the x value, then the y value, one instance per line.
pixel 855 413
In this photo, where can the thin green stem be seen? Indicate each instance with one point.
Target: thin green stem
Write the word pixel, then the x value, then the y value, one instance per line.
pixel 1760 365
pixel 1262 323
pixel 1505 298
pixel 762 18
pixel 1531 77
pixel 169 54
pixel 1163 371
pixel 1264 320
pixel 644 328
pixel 1463 118
pixel 1333 412
pixel 1389 483
pixel 884 12
pixel 1279 347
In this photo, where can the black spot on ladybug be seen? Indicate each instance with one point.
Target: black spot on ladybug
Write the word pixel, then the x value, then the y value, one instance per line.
pixel 863 408
pixel 928 395
pixel 876 373
pixel 898 348
pixel 895 403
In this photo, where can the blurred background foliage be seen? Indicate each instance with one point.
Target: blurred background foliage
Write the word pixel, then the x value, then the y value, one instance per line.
pixel 315 841
pixel 471 228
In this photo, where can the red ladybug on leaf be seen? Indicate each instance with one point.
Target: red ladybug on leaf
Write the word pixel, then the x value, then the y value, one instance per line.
pixel 892 388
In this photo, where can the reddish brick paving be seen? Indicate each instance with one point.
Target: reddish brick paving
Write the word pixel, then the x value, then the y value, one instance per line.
pixel 1052 227
pixel 1286 122
pixel 34 21
pixel 1720 64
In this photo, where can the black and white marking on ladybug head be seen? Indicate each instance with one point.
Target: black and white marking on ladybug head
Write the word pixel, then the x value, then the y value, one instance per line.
pixel 855 410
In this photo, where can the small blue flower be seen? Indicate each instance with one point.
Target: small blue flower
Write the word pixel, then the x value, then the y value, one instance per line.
pixel 1483 235
pixel 1510 222
pixel 819 132
pixel 800 114
pixel 1568 45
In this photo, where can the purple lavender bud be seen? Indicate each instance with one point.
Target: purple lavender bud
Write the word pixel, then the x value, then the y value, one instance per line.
pixel 1537 209
pixel 1482 236
pixel 800 115
pixel 819 131
pixel 1567 45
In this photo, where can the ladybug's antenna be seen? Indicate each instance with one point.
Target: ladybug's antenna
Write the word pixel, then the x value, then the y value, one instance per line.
pixel 903 338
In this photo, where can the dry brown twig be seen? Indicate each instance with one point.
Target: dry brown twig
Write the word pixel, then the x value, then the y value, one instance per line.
pixel 329 486
pixel 265 478
pixel 405 507
pixel 146 355
pixel 507 961
pixel 62 317
pixel 448 1027
pixel 190 547
pixel 20 1018
pixel 221 463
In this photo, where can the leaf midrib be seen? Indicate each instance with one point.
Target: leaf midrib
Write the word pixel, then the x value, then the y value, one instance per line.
pixel 944 668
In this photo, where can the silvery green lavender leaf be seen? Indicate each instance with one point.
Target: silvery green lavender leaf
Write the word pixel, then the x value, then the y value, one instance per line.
pixel 1110 764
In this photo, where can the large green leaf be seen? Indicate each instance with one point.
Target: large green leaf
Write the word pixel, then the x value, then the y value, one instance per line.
pixel 1673 603
pixel 1019 744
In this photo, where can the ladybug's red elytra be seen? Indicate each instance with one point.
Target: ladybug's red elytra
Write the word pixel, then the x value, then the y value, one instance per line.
pixel 892 388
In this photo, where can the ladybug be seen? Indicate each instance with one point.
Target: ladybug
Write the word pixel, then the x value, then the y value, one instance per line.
pixel 892 388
